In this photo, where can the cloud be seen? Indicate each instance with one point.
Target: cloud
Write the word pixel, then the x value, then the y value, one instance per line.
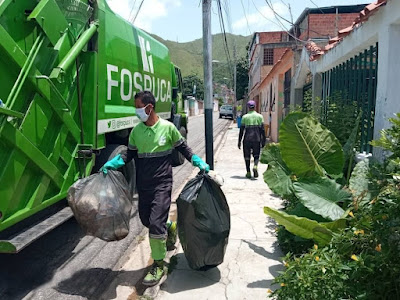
pixel 264 19
pixel 151 10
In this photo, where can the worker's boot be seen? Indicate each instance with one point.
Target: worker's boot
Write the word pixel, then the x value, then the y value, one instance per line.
pixel 255 171
pixel 156 272
pixel 171 238
pixel 158 269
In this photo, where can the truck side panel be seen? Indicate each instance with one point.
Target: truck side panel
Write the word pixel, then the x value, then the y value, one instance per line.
pixel 131 61
pixel 37 150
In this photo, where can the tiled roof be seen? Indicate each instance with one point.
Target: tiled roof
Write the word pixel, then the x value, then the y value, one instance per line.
pixel 315 51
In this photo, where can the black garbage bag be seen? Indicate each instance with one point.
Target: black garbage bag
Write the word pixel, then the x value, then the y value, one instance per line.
pixel 203 222
pixel 102 205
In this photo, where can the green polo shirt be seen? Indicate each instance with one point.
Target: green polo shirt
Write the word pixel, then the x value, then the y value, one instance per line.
pixel 155 141
pixel 252 126
pixel 252 118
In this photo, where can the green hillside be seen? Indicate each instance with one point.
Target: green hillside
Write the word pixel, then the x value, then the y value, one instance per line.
pixel 188 56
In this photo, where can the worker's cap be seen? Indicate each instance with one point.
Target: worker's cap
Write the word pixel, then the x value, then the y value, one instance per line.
pixel 251 104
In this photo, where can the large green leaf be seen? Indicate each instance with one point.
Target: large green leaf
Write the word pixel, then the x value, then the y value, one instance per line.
pixel 308 147
pixel 302 227
pixel 277 176
pixel 335 226
pixel 301 211
pixel 320 195
pixel 359 181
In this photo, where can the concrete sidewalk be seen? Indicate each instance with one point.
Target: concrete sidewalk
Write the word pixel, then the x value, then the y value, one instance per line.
pixel 252 257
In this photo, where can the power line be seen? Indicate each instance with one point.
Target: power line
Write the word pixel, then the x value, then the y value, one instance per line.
pixel 226 47
pixel 277 15
pixel 280 23
pixel 317 6
pixel 247 21
pixel 131 13
pixel 137 13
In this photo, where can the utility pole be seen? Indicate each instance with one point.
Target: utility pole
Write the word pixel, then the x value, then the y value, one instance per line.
pixel 208 89
pixel 234 73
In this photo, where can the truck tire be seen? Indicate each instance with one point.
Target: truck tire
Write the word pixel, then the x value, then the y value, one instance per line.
pixel 177 157
pixel 129 170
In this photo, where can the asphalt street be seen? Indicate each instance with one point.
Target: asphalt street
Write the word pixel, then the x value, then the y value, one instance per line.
pixel 66 264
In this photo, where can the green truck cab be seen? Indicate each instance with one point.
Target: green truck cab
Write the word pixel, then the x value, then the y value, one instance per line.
pixel 70 70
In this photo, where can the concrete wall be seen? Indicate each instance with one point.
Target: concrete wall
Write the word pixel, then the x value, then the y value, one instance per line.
pixel 382 27
pixel 274 82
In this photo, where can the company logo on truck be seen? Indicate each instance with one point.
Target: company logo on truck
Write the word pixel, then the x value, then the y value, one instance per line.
pixel 130 82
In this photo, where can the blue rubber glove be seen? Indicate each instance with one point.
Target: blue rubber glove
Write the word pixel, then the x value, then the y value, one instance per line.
pixel 198 162
pixel 113 164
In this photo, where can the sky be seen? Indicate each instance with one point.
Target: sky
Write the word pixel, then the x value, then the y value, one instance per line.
pixel 181 20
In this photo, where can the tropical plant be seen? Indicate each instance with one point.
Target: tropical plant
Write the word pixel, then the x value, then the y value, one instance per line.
pixel 390 138
pixel 361 261
pixel 321 195
pixel 277 175
pixel 308 148
pixel 306 228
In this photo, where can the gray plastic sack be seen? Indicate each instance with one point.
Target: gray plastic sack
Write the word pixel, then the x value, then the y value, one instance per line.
pixel 102 205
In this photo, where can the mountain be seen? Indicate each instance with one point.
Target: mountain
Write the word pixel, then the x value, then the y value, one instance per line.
pixel 189 56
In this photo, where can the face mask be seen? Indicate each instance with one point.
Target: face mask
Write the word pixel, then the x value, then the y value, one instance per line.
pixel 141 113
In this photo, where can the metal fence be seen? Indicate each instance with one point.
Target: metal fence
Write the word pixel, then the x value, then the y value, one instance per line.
pixel 354 81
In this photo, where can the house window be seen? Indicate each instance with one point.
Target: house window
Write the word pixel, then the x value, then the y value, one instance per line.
pixel 268 56
pixel 286 88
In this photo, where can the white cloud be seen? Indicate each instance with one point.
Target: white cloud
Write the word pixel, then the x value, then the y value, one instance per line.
pixel 264 19
pixel 151 10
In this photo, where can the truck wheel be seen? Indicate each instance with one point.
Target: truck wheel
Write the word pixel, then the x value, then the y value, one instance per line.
pixel 129 170
pixel 177 158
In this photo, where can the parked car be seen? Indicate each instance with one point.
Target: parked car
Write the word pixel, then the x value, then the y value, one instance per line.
pixel 226 111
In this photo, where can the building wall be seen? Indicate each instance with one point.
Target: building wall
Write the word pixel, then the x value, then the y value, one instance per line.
pixel 273 85
pixel 324 25
pixel 271 37
pixel 382 27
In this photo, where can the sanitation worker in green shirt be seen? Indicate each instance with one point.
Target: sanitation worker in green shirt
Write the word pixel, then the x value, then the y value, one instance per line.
pixel 252 127
pixel 150 144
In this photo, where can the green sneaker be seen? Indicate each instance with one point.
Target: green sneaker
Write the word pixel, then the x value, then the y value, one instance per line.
pixel 171 238
pixel 255 171
pixel 248 175
pixel 156 273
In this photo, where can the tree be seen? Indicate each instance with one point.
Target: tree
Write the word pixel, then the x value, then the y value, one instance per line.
pixel 242 78
pixel 188 86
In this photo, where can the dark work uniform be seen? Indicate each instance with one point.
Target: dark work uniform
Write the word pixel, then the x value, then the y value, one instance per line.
pixel 151 147
pixel 252 127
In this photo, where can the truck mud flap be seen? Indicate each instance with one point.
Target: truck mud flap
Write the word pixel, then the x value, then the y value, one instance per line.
pixel 19 241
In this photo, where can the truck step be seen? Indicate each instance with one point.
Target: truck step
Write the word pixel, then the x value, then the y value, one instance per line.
pixel 19 241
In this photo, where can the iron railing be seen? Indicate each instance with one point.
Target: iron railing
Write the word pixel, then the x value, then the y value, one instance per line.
pixel 354 81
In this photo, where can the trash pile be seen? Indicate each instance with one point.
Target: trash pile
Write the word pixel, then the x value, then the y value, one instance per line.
pixel 102 205
pixel 203 222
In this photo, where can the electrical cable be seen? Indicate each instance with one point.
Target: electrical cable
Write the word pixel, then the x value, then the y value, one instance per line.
pixel 226 47
pixel 131 13
pixel 245 16
pixel 317 6
pixel 137 13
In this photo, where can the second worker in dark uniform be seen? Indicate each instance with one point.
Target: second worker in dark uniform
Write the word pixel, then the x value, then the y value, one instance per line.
pixel 252 127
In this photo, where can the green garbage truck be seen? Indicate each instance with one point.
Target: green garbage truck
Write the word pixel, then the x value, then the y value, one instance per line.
pixel 69 71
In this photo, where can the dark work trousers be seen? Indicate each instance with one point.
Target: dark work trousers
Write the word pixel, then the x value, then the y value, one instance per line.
pixel 154 207
pixel 251 148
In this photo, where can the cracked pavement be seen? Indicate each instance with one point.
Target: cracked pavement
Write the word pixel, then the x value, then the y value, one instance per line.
pixel 252 257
